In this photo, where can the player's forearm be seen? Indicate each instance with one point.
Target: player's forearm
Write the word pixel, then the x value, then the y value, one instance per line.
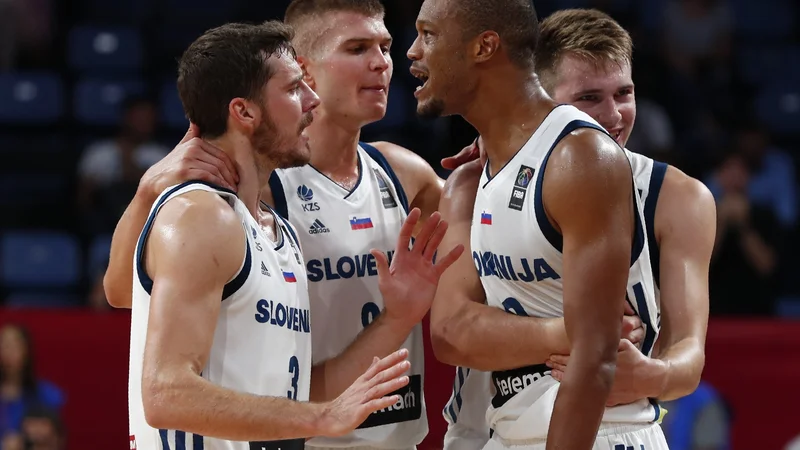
pixel 332 377
pixel 580 402
pixel 676 373
pixel 118 279
pixel 472 337
pixel 192 404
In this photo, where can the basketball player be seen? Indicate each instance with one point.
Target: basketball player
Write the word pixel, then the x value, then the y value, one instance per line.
pixel 556 231
pixel 584 58
pixel 351 198
pixel 220 341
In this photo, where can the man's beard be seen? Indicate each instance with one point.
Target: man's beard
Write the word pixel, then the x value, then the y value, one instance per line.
pixel 268 143
pixel 432 109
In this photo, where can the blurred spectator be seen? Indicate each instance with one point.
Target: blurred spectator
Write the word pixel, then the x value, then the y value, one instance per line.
pixel 21 391
pixel 110 170
pixel 26 31
pixel 772 184
pixel 697 44
pixel 699 421
pixel 745 254
pixel 42 429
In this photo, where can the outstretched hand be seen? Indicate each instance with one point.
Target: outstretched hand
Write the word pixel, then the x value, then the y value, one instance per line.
pixel 192 159
pixel 409 284
pixel 366 395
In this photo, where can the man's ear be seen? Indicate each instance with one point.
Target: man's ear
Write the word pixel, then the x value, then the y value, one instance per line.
pixel 244 114
pixel 304 65
pixel 485 46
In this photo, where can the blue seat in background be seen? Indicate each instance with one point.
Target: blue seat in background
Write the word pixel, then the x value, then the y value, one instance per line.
pixel 39 259
pixel 98 101
pixel 99 251
pixel 788 307
pixel 117 11
pixel 30 98
pixel 20 190
pixel 171 108
pixel 764 19
pixel 778 106
pixel 92 48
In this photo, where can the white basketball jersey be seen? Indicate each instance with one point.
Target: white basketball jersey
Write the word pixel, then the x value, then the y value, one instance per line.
pixel 518 256
pixel 465 412
pixel 337 229
pixel 262 339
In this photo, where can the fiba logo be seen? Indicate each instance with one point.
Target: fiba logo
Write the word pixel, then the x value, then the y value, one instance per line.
pixel 305 193
pixel 524 177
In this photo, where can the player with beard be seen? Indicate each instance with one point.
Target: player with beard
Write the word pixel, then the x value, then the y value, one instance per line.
pixel 220 354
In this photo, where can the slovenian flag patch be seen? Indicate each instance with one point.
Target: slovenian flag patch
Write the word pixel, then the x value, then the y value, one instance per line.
pixel 360 224
pixel 289 277
pixel 486 218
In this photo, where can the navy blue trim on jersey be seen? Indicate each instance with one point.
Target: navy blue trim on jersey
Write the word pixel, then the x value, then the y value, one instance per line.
pixel 278 195
pixel 489 178
pixel 144 278
pixel 657 407
pixel 197 442
pixel 180 440
pixel 378 157
pixel 164 439
pixel 548 230
pixel 644 314
pixel 656 180
pixel 291 232
pixel 236 283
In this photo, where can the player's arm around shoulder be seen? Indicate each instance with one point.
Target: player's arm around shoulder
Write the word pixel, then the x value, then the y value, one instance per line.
pixel 423 187
pixel 686 229
pixel 460 285
pixel 196 246
pixel 588 197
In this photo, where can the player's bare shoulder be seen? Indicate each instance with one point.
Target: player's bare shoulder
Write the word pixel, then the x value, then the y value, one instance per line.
pixel 198 223
pixel 462 182
pixel 683 197
pixel 587 157
pixel 411 168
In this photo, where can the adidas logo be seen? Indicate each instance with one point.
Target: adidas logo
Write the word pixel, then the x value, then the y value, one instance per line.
pixel 264 270
pixel 318 227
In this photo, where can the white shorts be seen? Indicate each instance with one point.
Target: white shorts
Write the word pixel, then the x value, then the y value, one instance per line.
pixel 462 438
pixel 623 437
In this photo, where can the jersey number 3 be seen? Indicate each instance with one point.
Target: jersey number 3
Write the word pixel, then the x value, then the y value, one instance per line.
pixel 294 370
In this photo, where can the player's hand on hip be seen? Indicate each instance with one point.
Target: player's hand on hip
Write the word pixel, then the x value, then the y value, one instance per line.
pixel 192 159
pixel 409 284
pixel 630 377
pixel 369 393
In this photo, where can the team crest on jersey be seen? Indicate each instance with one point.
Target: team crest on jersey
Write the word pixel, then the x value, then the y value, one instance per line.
pixel 386 194
pixel 520 189
pixel 306 194
pixel 255 239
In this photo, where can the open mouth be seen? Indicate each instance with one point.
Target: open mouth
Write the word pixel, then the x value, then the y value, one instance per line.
pixel 420 75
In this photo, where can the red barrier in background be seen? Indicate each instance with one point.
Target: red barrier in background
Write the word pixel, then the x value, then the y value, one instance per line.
pixel 754 364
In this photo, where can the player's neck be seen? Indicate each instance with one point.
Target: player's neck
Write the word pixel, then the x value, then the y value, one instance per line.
pixel 333 145
pixel 253 175
pixel 507 114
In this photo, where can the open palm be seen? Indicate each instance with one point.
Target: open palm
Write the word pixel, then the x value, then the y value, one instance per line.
pixel 409 284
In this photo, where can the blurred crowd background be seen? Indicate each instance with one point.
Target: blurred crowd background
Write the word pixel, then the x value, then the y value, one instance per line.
pixel 88 102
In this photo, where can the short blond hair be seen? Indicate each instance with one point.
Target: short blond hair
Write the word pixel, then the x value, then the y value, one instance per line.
pixel 302 15
pixel 588 34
